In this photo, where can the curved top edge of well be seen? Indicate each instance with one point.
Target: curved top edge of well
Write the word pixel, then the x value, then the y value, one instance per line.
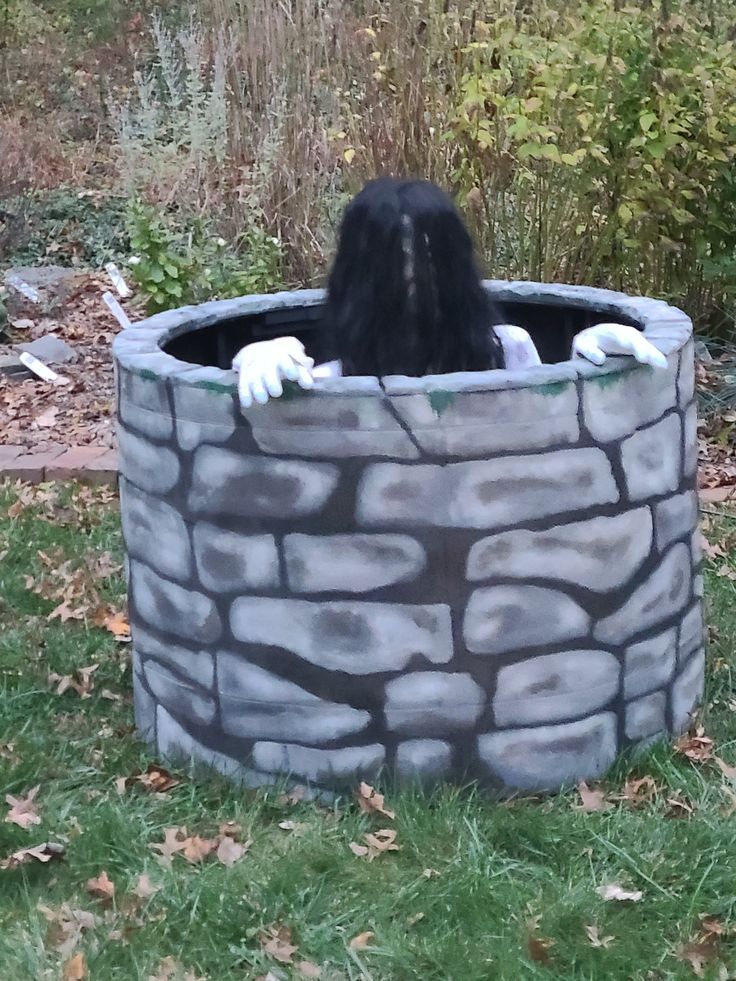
pixel 138 349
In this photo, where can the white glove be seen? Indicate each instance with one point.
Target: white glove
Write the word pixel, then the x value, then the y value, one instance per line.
pixel 264 365
pixel 594 343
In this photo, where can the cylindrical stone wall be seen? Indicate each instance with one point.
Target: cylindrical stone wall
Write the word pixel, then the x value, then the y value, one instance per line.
pixel 486 575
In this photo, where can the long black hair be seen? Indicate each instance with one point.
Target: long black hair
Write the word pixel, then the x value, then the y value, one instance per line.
pixel 404 293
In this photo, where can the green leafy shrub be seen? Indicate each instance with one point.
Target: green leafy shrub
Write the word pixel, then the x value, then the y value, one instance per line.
pixel 179 261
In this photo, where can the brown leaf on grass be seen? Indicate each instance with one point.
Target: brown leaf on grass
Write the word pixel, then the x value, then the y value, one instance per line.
pixel 197 849
pixel 115 622
pixel 156 779
pixel 23 810
pixel 696 746
pixel 144 888
pixel 82 684
pixel 699 954
pixel 639 793
pixel 596 940
pixel 592 799
pixel 614 891
pixel 46 852
pixel 171 845
pixel 712 926
pixel 102 888
pixel 75 969
pixel 66 926
pixel 359 850
pixel 729 772
pixel 362 941
pixel 230 851
pixel 231 829
pixel 539 948
pixel 678 807
pixel 308 970
pixel 371 802
pixel 276 941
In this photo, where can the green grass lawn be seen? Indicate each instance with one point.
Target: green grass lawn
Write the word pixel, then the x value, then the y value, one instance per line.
pixel 478 890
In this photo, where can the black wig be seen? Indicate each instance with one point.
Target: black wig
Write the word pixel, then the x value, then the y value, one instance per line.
pixel 404 294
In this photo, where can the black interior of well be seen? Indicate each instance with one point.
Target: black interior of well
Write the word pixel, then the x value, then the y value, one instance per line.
pixel 552 328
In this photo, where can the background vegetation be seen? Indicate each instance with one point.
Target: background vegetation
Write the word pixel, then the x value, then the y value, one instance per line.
pixel 587 141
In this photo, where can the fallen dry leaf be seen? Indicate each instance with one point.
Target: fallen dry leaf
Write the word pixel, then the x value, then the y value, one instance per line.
pixel 296 828
pixel 362 940
pixel 23 809
pixel 276 942
pixel 75 969
pixel 102 888
pixel 116 623
pixel 678 807
pixel 371 802
pixel 231 829
pixel 156 779
pixel 171 845
pixel 638 793
pixel 615 891
pixel 197 849
pixel 47 851
pixel 696 746
pixel 596 940
pixel 83 687
pixel 144 888
pixel 729 772
pixel 67 926
pixel 377 843
pixel 308 970
pixel 47 418
pixel 699 954
pixel 591 799
pixel 539 948
pixel 230 851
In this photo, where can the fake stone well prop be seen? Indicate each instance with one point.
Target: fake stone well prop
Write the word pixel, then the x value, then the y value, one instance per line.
pixel 488 576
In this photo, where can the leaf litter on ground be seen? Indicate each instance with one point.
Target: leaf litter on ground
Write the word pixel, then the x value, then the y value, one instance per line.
pixel 23 810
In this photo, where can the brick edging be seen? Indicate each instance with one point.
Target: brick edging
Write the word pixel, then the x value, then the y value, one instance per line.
pixel 89 464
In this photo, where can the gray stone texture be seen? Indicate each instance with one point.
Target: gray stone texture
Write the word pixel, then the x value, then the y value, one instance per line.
pixel 152 468
pixel 172 609
pixel 227 483
pixel 321 766
pixel 202 416
pixel 646 717
pixel 351 563
pixel 675 518
pixel 615 405
pixel 692 632
pixel 690 460
pixel 650 663
pixel 687 691
pixel 601 553
pixel 433 703
pixel 358 638
pixel 468 501
pixel 423 759
pixel 485 493
pixel 144 405
pixel 185 701
pixel 199 666
pixel 502 619
pixel 144 705
pixel 550 757
pixel 227 560
pixel 555 687
pixel 257 704
pixel 659 597
pixel 478 423
pixel 686 379
pixel 323 426
pixel 651 459
pixel 154 532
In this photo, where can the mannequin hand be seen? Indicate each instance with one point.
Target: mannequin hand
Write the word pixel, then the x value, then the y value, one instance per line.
pixel 264 365
pixel 594 343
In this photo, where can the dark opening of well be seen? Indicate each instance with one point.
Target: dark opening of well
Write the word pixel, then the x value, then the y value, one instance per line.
pixel 552 329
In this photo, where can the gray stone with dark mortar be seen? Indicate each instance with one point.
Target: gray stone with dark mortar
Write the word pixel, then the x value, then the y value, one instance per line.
pixel 351 563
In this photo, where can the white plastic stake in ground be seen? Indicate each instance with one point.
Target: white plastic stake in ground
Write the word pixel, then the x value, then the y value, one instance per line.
pixel 117 280
pixel 116 310
pixel 22 287
pixel 42 370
